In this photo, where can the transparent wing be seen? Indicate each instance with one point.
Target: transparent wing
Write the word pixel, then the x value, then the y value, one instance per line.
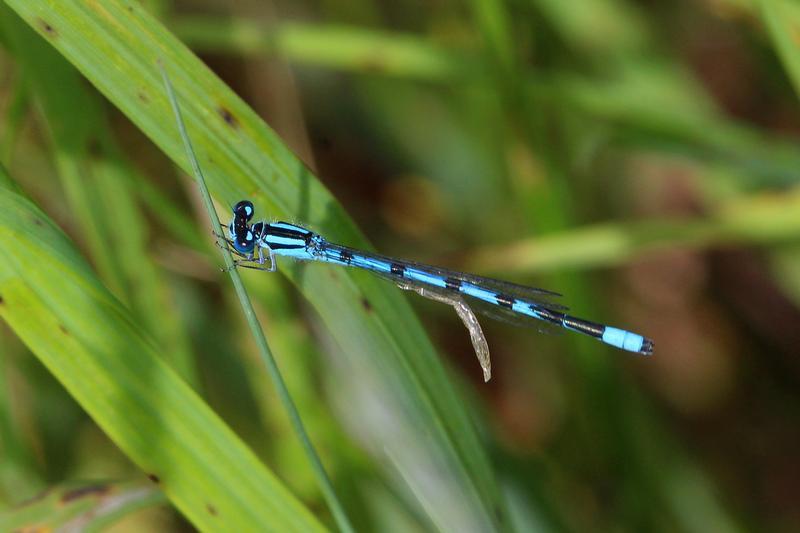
pixel 541 297
pixel 534 295
pixel 494 312
pixel 508 316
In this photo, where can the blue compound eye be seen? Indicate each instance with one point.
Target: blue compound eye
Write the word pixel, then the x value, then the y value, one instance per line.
pixel 243 210
pixel 244 242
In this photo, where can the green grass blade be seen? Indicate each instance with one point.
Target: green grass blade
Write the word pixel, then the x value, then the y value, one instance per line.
pixel 88 340
pixel 337 47
pixel 99 188
pixel 115 45
pixel 656 101
pixel 13 119
pixel 19 477
pixel 6 181
pixel 491 17
pixel 782 18
pixel 759 220
pixel 255 327
pixel 599 28
pixel 86 506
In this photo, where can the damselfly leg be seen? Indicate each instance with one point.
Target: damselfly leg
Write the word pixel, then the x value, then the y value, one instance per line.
pixel 247 260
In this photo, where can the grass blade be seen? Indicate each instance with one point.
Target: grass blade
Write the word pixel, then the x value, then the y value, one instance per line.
pixel 760 220
pixel 99 187
pixel 89 341
pixel 651 100
pixel 87 507
pixel 255 328
pixel 782 18
pixel 337 47
pixel 115 45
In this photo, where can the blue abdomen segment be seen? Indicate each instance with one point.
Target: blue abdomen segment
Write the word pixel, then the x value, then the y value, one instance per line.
pixel 449 281
pixel 618 338
pixel 371 263
pixel 426 278
pixel 626 340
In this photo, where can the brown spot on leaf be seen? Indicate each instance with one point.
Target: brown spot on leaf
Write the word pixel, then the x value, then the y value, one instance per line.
pixel 94 147
pixel 63 329
pixel 47 28
pixel 211 509
pixel 82 492
pixel 143 97
pixel 154 478
pixel 228 117
pixel 366 305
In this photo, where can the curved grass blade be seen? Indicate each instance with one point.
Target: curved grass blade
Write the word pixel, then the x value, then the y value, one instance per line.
pixel 651 102
pixel 760 220
pixel 88 340
pixel 115 45
pixel 85 506
pixel 782 19
pixel 258 333
pixel 99 189
pixel 337 47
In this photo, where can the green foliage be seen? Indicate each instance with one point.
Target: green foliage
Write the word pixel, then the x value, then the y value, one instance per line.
pixel 241 157
pixel 636 156
pixel 782 19
pixel 108 363
pixel 86 507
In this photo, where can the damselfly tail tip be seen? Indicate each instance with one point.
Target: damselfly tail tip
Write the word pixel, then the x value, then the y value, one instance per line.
pixel 647 347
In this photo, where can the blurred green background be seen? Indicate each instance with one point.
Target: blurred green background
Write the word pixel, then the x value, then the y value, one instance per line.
pixel 639 157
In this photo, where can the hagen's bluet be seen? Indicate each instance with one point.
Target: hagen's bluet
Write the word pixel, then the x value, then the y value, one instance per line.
pixel 258 244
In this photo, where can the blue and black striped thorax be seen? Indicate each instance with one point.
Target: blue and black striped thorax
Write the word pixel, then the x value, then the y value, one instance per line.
pixel 290 240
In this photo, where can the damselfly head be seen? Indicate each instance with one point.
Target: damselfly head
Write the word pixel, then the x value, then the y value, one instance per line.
pixel 239 230
pixel 243 211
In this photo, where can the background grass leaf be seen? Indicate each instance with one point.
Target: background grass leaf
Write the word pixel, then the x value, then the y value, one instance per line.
pixel 99 188
pixel 90 342
pixel 782 18
pixel 640 158
pixel 115 45
pixel 86 507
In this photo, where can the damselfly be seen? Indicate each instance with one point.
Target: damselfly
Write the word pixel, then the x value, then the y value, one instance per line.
pixel 258 244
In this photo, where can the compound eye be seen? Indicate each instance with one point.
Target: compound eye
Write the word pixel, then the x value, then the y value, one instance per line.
pixel 243 210
pixel 245 242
